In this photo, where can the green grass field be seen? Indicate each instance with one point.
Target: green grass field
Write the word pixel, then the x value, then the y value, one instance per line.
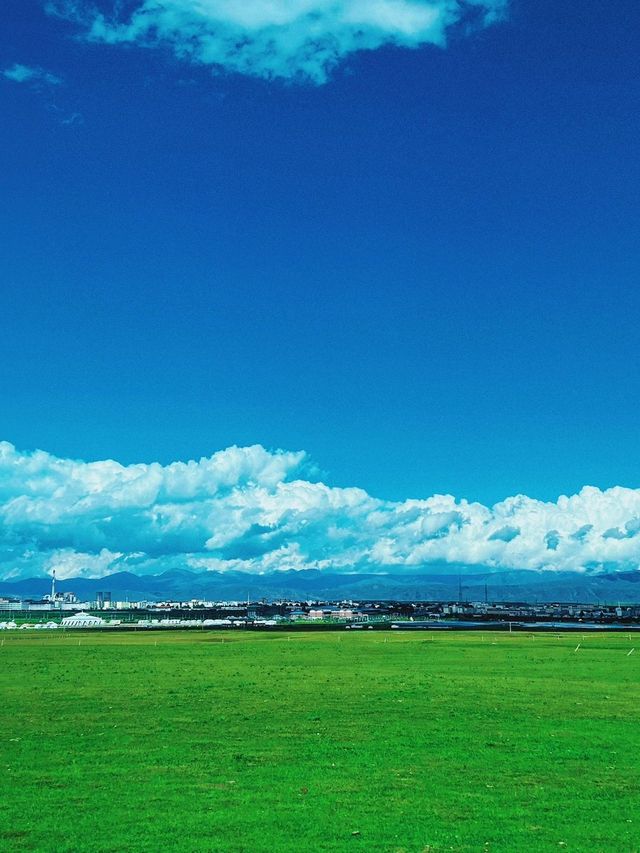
pixel 319 742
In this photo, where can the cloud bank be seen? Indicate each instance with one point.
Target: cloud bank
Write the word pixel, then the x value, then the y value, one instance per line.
pixel 302 39
pixel 18 73
pixel 249 509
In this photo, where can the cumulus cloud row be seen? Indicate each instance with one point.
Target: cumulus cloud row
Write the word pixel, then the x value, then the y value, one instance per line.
pixel 254 510
pixel 292 39
pixel 19 73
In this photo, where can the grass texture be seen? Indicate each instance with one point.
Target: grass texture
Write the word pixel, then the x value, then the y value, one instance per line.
pixel 374 741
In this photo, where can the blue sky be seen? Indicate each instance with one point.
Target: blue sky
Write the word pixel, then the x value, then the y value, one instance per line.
pixel 417 263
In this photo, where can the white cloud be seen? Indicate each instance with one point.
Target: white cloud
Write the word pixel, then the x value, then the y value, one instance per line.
pixel 278 38
pixel 253 510
pixel 18 73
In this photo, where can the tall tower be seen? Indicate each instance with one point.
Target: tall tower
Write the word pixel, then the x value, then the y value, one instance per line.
pixel 53 586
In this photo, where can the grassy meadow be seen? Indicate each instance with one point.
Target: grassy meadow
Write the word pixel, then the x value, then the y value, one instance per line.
pixel 379 741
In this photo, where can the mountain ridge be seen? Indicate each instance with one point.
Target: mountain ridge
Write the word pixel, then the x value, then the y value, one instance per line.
pixel 182 584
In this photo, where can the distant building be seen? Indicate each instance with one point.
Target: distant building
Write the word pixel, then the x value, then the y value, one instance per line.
pixel 82 620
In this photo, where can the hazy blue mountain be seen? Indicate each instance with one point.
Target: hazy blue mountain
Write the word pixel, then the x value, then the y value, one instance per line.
pixel 499 586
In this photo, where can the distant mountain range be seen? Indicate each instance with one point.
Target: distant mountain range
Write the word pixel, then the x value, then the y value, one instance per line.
pixel 182 585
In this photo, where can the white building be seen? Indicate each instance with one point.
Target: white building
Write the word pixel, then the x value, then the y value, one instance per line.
pixel 82 620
